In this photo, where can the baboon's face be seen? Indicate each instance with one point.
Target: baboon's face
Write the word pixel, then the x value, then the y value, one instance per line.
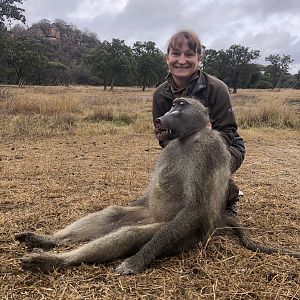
pixel 185 117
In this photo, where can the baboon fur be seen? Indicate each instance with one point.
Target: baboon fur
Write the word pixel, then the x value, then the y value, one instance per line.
pixel 182 206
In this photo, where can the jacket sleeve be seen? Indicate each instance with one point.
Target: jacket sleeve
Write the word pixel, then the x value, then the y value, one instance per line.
pixel 159 108
pixel 159 105
pixel 221 113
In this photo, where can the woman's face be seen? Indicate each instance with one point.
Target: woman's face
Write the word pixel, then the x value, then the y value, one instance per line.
pixel 182 62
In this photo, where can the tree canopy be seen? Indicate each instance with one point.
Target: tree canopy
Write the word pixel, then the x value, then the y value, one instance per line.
pixel 150 63
pixel 59 53
pixel 278 68
pixel 232 65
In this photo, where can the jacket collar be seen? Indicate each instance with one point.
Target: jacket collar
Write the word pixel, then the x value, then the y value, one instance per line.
pixel 195 84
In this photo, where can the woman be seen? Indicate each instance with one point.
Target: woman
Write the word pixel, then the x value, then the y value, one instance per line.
pixel 185 79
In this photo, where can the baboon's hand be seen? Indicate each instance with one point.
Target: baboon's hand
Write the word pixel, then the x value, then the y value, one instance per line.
pixel 25 237
pixel 128 268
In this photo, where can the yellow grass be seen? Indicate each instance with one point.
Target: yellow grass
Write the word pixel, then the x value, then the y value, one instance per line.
pixel 256 108
pixel 47 111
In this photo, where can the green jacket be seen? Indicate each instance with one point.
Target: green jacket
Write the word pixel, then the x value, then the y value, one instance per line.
pixel 213 94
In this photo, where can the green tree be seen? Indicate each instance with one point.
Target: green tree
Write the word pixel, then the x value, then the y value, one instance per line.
pixel 111 61
pixel 56 73
pixel 278 68
pixel 250 76
pixel 121 60
pixel 23 56
pixel 151 66
pixel 238 61
pixel 10 11
pixel 293 81
pixel 97 59
pixel 234 65
pixel 211 62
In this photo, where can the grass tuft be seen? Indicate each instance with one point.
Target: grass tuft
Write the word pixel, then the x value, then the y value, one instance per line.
pixel 108 115
pixel 275 114
pixel 269 109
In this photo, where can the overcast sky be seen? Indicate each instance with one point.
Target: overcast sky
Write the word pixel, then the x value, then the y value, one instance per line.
pixel 271 26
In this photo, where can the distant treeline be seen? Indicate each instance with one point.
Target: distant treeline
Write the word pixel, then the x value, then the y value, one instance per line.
pixel 60 54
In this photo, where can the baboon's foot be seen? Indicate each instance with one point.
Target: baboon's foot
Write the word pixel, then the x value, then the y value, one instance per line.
pixel 41 261
pixel 34 240
pixel 128 268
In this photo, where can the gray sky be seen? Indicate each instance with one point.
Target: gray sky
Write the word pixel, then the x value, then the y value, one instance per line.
pixel 271 26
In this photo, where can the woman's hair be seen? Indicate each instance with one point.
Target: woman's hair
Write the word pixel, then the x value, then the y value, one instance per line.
pixel 178 38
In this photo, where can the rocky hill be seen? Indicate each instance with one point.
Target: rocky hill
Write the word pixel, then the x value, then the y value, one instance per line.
pixel 60 32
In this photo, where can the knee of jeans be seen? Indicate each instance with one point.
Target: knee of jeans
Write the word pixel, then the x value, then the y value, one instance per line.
pixel 237 159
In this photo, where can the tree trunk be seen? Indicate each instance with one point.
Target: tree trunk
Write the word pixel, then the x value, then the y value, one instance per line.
pixel 112 82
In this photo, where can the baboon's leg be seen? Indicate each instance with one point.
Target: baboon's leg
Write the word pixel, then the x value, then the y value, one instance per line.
pixel 35 240
pixel 89 227
pixel 121 243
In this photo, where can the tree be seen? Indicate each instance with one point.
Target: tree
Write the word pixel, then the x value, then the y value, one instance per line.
pixel 278 68
pixel 238 59
pixel 293 81
pixel 56 73
pixel 23 56
pixel 121 60
pixel 211 62
pixel 150 63
pixel 97 59
pixel 110 61
pixel 9 11
pixel 233 65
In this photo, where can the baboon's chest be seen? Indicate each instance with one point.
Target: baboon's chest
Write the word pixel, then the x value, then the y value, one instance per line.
pixel 167 194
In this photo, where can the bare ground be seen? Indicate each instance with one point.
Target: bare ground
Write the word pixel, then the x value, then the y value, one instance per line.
pixel 46 184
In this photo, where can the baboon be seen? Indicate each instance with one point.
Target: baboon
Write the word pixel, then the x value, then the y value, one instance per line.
pixel 183 205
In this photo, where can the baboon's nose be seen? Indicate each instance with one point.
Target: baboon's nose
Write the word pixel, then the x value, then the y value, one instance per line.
pixel 157 122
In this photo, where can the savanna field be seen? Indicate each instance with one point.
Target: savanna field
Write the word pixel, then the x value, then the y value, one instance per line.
pixel 69 151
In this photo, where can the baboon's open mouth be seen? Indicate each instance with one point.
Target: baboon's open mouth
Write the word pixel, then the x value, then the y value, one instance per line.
pixel 162 133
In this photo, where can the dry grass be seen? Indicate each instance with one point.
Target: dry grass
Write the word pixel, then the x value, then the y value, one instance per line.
pixel 52 176
pixel 256 108
pixel 48 111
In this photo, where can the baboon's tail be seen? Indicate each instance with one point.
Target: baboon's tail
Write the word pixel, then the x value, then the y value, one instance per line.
pixel 247 243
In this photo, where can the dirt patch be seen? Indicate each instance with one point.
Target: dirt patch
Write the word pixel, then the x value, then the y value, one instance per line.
pixel 47 183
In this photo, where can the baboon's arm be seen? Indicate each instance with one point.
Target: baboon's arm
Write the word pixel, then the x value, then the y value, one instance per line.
pixel 178 234
pixel 141 201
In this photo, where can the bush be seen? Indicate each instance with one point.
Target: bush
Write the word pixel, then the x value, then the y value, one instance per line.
pixel 110 116
pixel 263 84
pixel 4 94
pixel 273 114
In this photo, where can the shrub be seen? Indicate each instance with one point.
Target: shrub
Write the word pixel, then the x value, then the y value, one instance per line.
pixel 269 114
pixel 111 116
pixel 263 84
pixel 4 94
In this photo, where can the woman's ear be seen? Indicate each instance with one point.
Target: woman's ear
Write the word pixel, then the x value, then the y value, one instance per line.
pixel 167 58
